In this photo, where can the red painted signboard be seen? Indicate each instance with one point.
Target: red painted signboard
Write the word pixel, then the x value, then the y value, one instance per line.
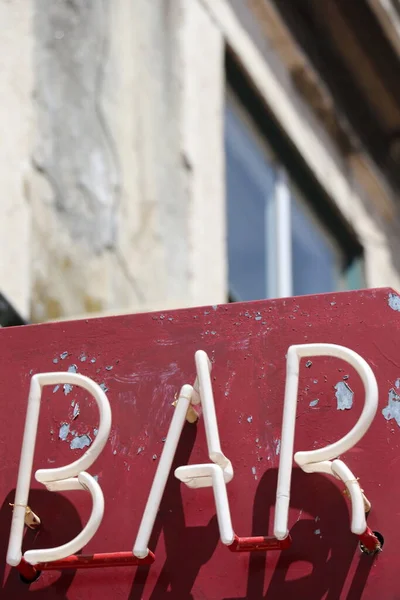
pixel 141 362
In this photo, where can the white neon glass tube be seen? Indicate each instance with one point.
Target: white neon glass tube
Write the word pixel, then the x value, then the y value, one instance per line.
pixel 318 460
pixel 220 472
pixel 140 548
pixel 51 477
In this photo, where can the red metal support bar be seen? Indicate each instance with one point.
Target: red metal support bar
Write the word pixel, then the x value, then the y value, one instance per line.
pixel 369 542
pixel 85 561
pixel 259 544
pixel 27 571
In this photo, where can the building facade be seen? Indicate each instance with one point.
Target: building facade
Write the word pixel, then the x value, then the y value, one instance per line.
pixel 177 153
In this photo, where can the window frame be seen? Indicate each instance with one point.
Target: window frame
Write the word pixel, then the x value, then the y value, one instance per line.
pixel 309 192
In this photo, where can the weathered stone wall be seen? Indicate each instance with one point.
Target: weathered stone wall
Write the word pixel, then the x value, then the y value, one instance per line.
pixel 115 185
pixel 126 107
pixel 16 123
pixel 112 155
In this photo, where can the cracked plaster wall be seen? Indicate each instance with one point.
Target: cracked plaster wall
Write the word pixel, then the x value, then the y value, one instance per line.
pixel 111 167
pixel 16 126
pixel 120 176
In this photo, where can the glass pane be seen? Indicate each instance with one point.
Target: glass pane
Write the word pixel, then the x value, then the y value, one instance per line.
pixel 354 275
pixel 315 262
pixel 249 191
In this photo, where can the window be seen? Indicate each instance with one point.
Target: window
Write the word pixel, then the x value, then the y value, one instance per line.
pixel 277 246
pixel 316 260
pixel 250 190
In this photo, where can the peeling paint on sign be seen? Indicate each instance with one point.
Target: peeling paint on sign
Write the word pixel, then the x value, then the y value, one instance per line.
pixel 314 403
pixel 394 302
pixel 277 447
pixel 63 355
pixel 392 410
pixel 76 412
pixel 79 442
pixel 68 386
pixel 344 396
pixel 64 431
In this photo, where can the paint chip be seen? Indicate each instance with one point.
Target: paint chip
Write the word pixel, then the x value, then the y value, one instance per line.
pixel 104 387
pixel 392 410
pixel 67 386
pixel 308 364
pixel 258 318
pixel 95 431
pixel 249 419
pixel 63 355
pixel 394 302
pixel 79 442
pixel 317 532
pixel 55 360
pixel 96 477
pixel 139 450
pixel 277 447
pixel 109 368
pixel 154 456
pixel 83 357
pixel 314 403
pixel 344 396
pixel 64 431
pixel 56 388
pixel 76 412
pixel 92 360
